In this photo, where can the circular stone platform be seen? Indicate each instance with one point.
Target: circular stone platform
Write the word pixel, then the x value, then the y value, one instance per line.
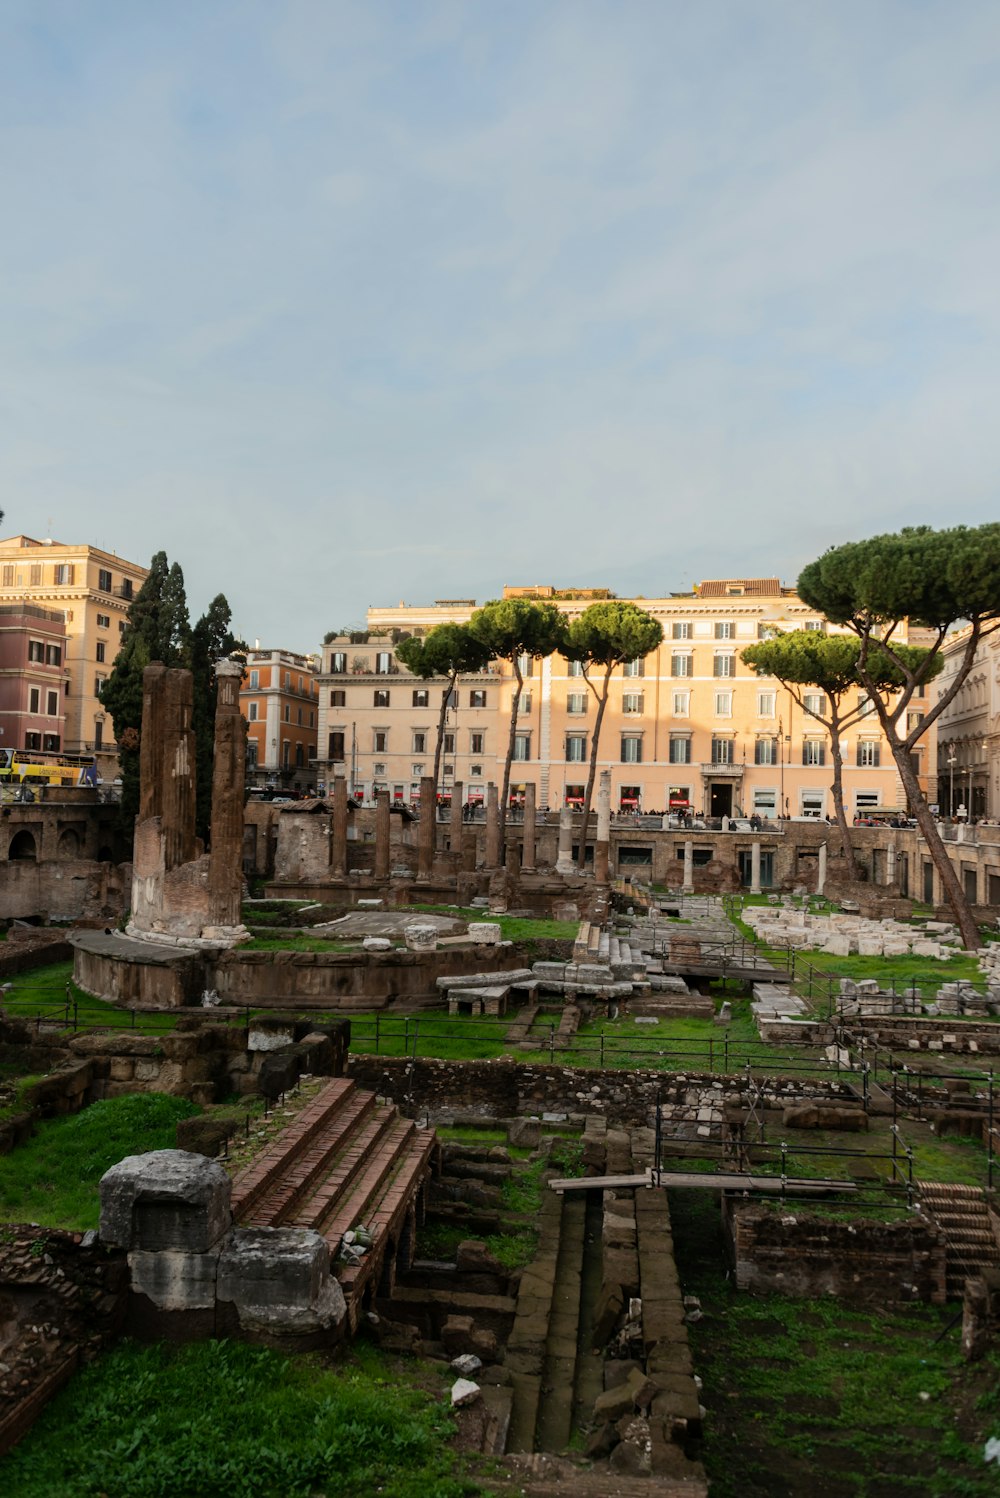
pixel 357 924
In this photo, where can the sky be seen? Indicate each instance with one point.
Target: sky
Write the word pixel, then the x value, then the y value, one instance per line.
pixel 343 304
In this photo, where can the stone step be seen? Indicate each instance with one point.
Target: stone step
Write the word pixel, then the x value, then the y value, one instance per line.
pixel 333 1219
pixel 382 1214
pixel 302 1171
pixel 527 1342
pixel 351 1161
pixel 252 1183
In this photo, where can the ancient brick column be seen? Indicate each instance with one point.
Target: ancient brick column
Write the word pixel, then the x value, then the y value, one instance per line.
pixel 602 847
pixel 491 855
pixel 170 760
pixel 225 868
pixel 564 858
pixel 152 741
pixel 382 834
pixel 689 868
pixel 338 850
pixel 427 829
pixel 821 871
pixel 455 825
pixel 528 844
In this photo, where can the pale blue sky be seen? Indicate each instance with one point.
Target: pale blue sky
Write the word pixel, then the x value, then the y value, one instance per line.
pixel 345 303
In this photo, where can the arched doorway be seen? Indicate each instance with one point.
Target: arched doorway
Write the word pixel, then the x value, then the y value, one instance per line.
pixel 22 846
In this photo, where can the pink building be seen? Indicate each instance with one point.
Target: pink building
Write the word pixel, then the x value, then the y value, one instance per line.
pixel 33 678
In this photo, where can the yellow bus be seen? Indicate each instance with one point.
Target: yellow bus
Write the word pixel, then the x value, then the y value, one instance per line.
pixel 23 767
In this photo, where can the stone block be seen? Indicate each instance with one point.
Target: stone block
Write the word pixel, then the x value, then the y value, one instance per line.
pixel 421 937
pixel 377 944
pixel 165 1200
pixel 484 933
pixel 174 1280
pixel 279 1280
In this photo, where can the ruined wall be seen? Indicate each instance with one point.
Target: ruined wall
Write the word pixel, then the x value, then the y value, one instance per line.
pixel 787 1251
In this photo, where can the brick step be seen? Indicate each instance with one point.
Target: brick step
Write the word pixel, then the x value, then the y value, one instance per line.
pixel 970 1233
pixel 333 1212
pixel 341 1167
pixel 941 1191
pixel 398 1188
pixel 257 1178
pixel 308 1167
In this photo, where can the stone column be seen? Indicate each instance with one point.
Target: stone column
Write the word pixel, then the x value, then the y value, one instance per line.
pixel 689 867
pixel 602 849
pixel 755 867
pixel 491 855
pixel 564 860
pixel 338 839
pixel 528 844
pixel 382 834
pixel 225 868
pixel 821 870
pixel 890 864
pixel 167 760
pixel 426 833
pixel 455 825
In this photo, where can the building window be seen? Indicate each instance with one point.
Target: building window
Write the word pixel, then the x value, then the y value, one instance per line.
pixel 576 748
pixel 681 704
pixel 680 749
pixel 52 704
pixel 287 713
pixel 419 743
pixel 335 746
pixel 724 629
pixel 121 622
pixel 288 681
pixel 104 580
pixel 524 706
pixel 36 650
pixel 474 770
pixel 32 741
pixel 254 680
pixel 125 590
pixel 680 664
pixel 421 697
pixel 814 624
pixel 312 720
pixel 8 577
pixel 634 668
pixel 34 700
pixel 477 742
pixel 53 655
pixel 381 741
pixel 573 668
pixel 64 575
pixel 723 704
pixel 252 712
pixel 99 682
pixel 722 665
pixel 100 647
pixel 522 746
pixel 865 705
pixel 526 664
pixel 381 697
pixel 477 698
pixel 681 629
pixel 449 743
pixel 576 702
pixel 913 720
pixel 869 753
pixel 765 752
pixel 631 749
pixel 632 702
pixel 338 698
pixel 814 751
pixel 338 663
pixel 98 733
pixel 765 704
pixel 383 662
pixel 723 751
pixel 417 770
pixel 814 703
pixel 104 621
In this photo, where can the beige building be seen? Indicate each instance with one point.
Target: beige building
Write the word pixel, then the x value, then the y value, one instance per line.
pixel 93 590
pixel 689 728
pixel 968 732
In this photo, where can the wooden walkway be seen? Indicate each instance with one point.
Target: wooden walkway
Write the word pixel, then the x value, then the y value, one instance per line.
pixel 720 1181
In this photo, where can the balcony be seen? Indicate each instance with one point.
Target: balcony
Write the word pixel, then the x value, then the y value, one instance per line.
pixel 722 770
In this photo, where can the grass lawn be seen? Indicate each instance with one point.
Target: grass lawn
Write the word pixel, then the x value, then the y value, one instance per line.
pixel 52 1179
pixel 828 1398
pixel 44 992
pixel 294 943
pixel 235 1421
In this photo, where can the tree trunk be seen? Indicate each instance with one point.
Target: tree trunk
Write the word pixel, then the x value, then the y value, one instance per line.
pixel 442 719
pixel 588 794
pixel 515 703
pixel 939 854
pixel 846 846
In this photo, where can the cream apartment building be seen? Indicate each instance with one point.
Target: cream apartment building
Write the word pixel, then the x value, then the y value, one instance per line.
pixel 93 589
pixel 689 728
pixel 967 781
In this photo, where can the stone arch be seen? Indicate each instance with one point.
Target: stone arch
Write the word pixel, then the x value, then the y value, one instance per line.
pixel 105 855
pixel 23 846
pixel 69 843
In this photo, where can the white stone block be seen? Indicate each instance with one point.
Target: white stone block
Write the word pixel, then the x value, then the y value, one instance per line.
pixel 484 933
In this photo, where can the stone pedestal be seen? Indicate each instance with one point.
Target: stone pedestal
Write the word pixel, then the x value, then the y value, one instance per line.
pixel 338 850
pixel 427 828
pixel 528 841
pixel 689 867
pixel 755 868
pixel 602 848
pixel 382 834
pixel 564 859
pixel 492 849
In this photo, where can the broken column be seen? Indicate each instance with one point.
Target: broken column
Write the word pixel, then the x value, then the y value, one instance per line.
pixel 890 864
pixel 382 833
pixel 689 867
pixel 755 867
pixel 528 839
pixel 338 838
pixel 427 828
pixel 491 854
pixel 225 868
pixel 167 760
pixel 564 857
pixel 821 870
pixel 602 848
pixel 455 820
